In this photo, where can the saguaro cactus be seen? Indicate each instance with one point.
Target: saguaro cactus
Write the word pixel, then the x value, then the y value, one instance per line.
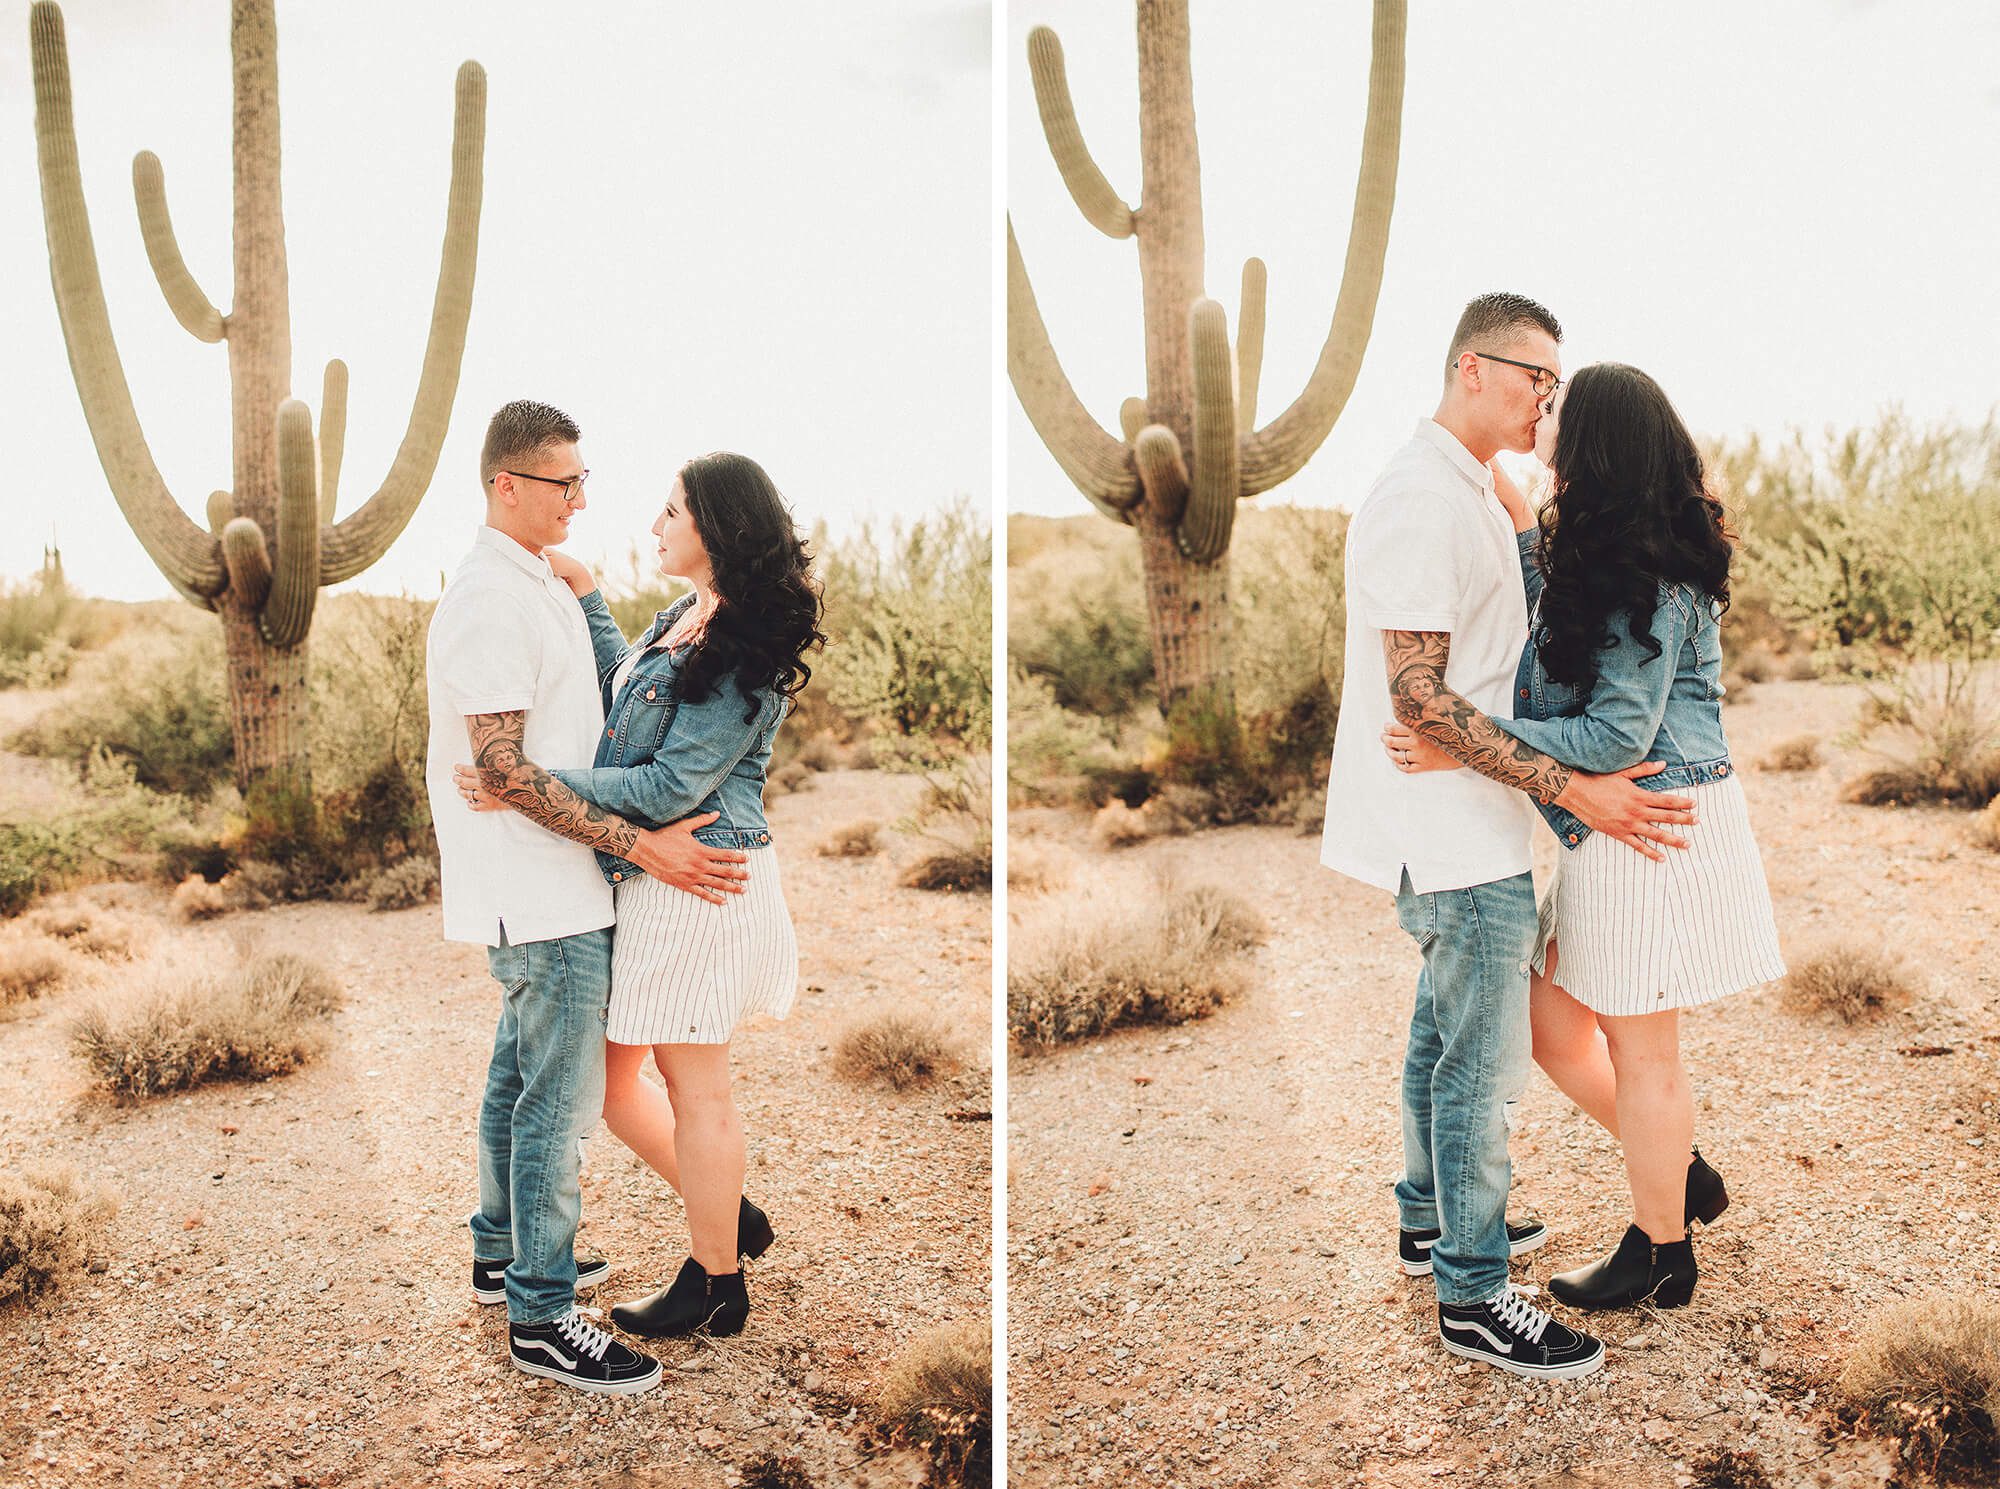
pixel 1191 449
pixel 271 539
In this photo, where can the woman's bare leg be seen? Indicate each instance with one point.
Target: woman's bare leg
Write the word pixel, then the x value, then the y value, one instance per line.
pixel 1570 1047
pixel 638 1112
pixel 1656 1111
pixel 708 1137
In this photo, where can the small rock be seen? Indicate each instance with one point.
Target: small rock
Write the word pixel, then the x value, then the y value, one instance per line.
pixel 1657 1430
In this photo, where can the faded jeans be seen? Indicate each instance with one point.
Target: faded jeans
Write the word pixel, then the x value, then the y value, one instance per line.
pixel 544 1091
pixel 1467 1058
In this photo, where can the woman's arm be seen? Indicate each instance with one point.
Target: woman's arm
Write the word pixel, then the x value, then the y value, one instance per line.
pixel 1621 718
pixel 703 744
pixel 607 641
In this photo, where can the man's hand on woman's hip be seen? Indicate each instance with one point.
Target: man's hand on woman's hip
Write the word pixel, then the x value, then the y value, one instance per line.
pixel 672 855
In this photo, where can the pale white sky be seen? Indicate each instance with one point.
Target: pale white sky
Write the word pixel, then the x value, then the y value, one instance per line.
pixel 1783 211
pixel 762 227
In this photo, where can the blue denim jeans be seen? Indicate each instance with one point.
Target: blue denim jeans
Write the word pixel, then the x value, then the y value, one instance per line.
pixel 544 1091
pixel 1467 1058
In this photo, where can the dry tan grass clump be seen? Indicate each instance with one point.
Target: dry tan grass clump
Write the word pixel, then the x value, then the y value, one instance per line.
pixel 50 1224
pixel 1756 665
pixel 938 1399
pixel 1986 826
pixel 792 777
pixel 1036 868
pixel 197 899
pixel 821 751
pixel 1094 964
pixel 897 1047
pixel 1850 983
pixel 955 852
pixel 1119 826
pixel 31 964
pixel 1926 1372
pixel 1801 752
pixel 1801 666
pixel 95 932
pixel 180 1027
pixel 1728 1468
pixel 856 840
pixel 401 886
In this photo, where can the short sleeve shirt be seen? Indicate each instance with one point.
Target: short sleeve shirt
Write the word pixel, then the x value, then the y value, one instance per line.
pixel 508 635
pixel 1430 549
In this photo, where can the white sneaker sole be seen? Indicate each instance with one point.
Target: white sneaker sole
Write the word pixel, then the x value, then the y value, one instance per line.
pixel 630 1387
pixel 1514 1249
pixel 1537 1372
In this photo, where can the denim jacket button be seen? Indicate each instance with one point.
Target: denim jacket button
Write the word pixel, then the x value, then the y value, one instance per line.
pixel 1524 692
pixel 1722 770
pixel 612 732
pixel 651 693
pixel 617 876
pixel 1572 837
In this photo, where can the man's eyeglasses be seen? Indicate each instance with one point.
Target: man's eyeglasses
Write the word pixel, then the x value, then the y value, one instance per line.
pixel 1546 382
pixel 572 485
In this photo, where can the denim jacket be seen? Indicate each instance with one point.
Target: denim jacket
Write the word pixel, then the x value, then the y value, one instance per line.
pixel 1666 708
pixel 660 759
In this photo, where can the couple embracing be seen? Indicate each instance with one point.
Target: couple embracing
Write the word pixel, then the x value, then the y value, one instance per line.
pixel 1500 664
pixel 579 783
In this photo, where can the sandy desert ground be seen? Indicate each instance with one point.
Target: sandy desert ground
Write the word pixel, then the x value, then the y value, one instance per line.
pixel 1202 1287
pixel 285 1298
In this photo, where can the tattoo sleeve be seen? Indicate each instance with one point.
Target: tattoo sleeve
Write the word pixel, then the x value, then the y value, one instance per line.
pixel 1421 699
pixel 506 771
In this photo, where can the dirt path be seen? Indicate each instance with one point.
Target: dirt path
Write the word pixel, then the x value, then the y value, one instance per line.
pixel 287 1301
pixel 1202 1285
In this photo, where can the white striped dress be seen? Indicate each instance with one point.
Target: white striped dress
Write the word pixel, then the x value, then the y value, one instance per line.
pixel 1634 936
pixel 684 971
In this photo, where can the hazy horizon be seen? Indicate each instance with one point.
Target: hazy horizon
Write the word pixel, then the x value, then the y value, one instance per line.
pixel 698 232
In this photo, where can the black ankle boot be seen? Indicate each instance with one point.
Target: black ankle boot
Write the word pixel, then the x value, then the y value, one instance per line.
pixel 753 1230
pixel 693 1303
pixel 1706 1196
pixel 1639 1271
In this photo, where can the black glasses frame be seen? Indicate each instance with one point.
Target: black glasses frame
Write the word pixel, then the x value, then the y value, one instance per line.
pixel 572 486
pixel 1541 373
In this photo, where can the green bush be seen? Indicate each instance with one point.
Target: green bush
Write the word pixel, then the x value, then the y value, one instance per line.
pixel 43 625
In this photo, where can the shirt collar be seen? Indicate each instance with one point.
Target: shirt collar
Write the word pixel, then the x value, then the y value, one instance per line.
pixel 1447 444
pixel 499 542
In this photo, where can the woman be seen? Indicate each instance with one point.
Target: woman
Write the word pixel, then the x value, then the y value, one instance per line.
pixel 693 707
pixel 1627 582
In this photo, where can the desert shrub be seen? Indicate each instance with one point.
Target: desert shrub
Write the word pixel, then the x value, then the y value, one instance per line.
pixel 1926 1372
pixel 1035 867
pixel 369 727
pixel 855 840
pixel 1850 983
pixel 50 1225
pixel 898 1047
pixel 179 1027
pixel 1801 752
pixel 1289 601
pixel 1986 827
pixel 1055 756
pixel 820 751
pixel 30 965
pixel 775 1472
pixel 1090 646
pixel 1092 965
pixel 1244 764
pixel 1118 826
pixel 938 1399
pixel 152 697
pixel 1728 1468
pixel 197 899
pixel 952 829
pixel 789 778
pixel 1800 666
pixel 909 622
pixel 414 881
pixel 93 932
pixel 1756 665
pixel 44 624
pixel 103 827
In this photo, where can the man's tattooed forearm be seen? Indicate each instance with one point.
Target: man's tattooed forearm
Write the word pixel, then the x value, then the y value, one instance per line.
pixel 1421 699
pixel 506 771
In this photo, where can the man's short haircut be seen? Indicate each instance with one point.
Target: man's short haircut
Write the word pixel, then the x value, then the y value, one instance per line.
pixel 521 433
pixel 1494 320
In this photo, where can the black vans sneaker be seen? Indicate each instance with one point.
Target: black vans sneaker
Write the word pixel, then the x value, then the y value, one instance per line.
pixel 1510 1333
pixel 489 1279
pixel 1413 1247
pixel 576 1352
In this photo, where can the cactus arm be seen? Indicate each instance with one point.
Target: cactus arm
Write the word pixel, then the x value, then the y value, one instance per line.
pixel 1132 418
pixel 190 306
pixel 190 558
pixel 332 435
pixel 1099 464
pixel 1102 207
pixel 1277 451
pixel 1162 471
pixel 221 507
pixel 352 545
pixel 1249 344
pixel 287 613
pixel 1203 533
pixel 249 561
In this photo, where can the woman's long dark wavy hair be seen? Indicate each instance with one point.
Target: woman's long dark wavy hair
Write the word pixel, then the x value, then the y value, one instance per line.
pixel 768 605
pixel 1628 511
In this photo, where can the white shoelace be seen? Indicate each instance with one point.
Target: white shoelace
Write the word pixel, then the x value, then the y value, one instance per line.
pixel 585 1338
pixel 1513 1309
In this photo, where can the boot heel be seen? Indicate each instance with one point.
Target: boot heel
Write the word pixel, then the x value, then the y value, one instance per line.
pixel 1711 1210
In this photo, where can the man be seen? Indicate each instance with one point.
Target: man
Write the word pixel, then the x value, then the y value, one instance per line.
pixel 1437 618
pixel 512 668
